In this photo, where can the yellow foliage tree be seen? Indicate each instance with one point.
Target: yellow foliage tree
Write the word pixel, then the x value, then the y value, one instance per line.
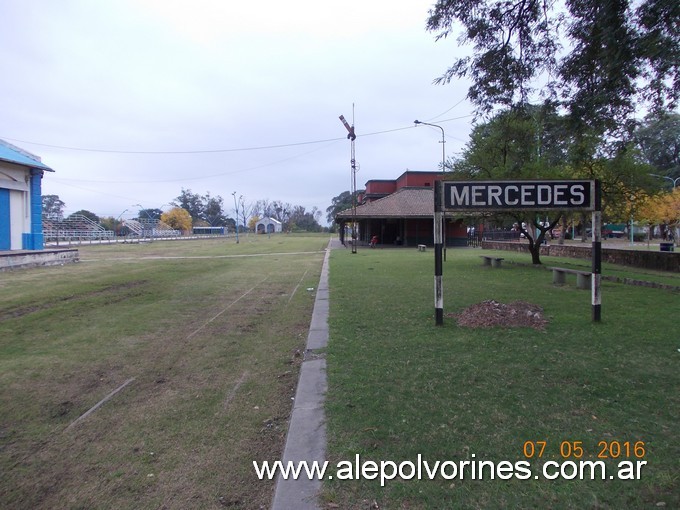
pixel 177 218
pixel 252 222
pixel 663 208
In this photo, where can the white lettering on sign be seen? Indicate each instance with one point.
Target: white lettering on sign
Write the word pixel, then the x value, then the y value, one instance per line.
pixel 508 200
pixel 544 194
pixel 478 195
pixel 495 195
pixel 460 195
pixel 579 194
pixel 560 194
pixel 518 195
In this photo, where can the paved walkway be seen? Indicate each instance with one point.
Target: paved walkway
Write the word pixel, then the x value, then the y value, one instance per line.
pixel 306 438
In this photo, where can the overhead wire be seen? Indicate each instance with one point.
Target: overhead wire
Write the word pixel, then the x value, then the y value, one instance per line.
pixel 216 151
pixel 196 178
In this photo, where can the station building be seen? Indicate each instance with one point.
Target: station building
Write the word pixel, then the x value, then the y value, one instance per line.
pixel 21 176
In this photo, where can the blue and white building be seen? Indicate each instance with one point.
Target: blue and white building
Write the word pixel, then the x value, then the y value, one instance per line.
pixel 21 176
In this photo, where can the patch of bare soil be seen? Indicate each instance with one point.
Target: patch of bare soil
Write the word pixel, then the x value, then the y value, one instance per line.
pixel 490 313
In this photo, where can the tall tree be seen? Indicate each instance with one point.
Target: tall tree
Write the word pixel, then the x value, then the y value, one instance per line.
pixel 339 203
pixel 244 212
pixel 213 210
pixel 597 59
pixel 87 214
pixel 301 219
pixel 177 218
pixel 519 143
pixel 53 207
pixel 150 214
pixel 281 211
pixel 190 202
pixel 658 138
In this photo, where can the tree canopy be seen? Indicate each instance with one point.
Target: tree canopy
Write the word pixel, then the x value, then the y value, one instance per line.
pixel 177 218
pixel 53 207
pixel 593 64
pixel 530 142
pixel 596 59
pixel 339 203
pixel 658 138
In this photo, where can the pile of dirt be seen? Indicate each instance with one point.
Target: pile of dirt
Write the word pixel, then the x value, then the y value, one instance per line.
pixel 490 313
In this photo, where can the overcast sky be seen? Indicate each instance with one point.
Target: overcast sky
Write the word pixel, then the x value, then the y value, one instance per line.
pixel 129 101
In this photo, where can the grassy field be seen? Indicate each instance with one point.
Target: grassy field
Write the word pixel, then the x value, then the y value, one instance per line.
pixel 200 339
pixel 400 387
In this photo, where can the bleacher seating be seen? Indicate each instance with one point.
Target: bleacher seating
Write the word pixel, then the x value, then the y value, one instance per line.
pixel 75 227
pixel 78 228
pixel 150 228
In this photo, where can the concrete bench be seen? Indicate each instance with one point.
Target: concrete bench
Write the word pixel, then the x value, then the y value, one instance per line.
pixel 488 260
pixel 582 277
pixel 421 247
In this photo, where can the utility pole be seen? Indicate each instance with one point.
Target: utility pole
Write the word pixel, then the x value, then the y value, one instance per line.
pixel 236 207
pixel 352 136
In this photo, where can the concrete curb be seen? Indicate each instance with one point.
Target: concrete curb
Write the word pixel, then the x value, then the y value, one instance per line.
pixel 306 439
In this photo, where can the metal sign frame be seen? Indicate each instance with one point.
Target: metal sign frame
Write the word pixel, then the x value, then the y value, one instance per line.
pixel 527 195
pixel 519 195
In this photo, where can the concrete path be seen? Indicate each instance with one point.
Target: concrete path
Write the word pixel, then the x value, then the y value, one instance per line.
pixel 306 438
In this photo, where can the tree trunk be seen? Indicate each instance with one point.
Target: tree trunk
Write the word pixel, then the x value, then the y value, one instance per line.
pixel 536 242
pixel 563 233
pixel 535 249
pixel 584 230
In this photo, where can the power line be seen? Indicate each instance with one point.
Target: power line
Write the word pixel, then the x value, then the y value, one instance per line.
pixel 192 178
pixel 217 151
pixel 206 151
pixel 446 111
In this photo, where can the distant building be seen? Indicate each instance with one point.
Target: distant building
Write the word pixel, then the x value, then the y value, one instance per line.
pixel 268 226
pixel 21 176
pixel 401 212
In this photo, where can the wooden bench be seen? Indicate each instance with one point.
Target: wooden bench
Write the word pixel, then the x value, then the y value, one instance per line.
pixel 491 261
pixel 582 277
pixel 421 247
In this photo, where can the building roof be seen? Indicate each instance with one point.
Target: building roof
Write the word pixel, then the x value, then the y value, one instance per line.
pixel 270 220
pixel 403 203
pixel 14 154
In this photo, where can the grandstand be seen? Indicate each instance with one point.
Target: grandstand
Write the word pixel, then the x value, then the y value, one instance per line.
pixel 75 228
pixel 147 227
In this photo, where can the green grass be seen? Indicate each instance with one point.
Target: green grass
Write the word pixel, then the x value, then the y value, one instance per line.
pixel 207 329
pixel 399 386
pixel 608 270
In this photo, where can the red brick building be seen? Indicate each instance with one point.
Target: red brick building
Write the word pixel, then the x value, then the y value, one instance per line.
pixel 401 212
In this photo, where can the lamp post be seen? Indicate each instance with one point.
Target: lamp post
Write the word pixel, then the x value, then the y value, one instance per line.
pixel 443 142
pixel 438 223
pixel 236 207
pixel 674 181
pixel 144 229
pixel 417 122
pixel 116 221
pixel 632 220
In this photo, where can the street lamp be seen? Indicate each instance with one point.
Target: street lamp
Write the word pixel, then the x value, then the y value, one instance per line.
pixel 439 222
pixel 674 181
pixel 143 224
pixel 443 142
pixel 236 207
pixel 116 222
pixel 417 122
